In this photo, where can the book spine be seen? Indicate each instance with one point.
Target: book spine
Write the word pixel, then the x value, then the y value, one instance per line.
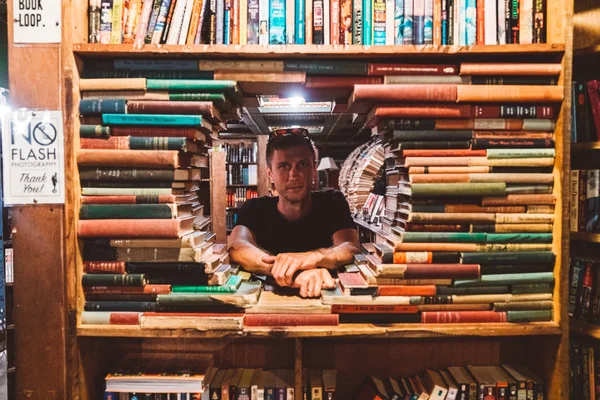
pixel 440 317
pixel 138 211
pixel 139 228
pixel 300 22
pixel 357 21
pixel 526 22
pixel 481 143
pixel 539 22
pixel 514 21
pixel 161 20
pixel 113 280
pixel 318 34
pixel 254 21
pixel 132 306
pixel 263 16
pixel 113 143
pixel 110 318
pixel 418 22
pixel 399 22
pixel 167 23
pixel 131 199
pixel 98 107
pixel 94 12
pixel 481 22
pixel 195 21
pixel 335 22
pixel 157 143
pixel 327 22
pixel 367 21
pixel 104 267
pixel 277 23
pixel 451 11
pixel 491 22
pixel 428 22
pixel 152 22
pixel 390 6
pixel 106 21
pixel 291 320
pixel 235 21
pixel 94 131
pixel 437 22
pixel 308 18
pixel 152 119
pixel 379 16
pixel 228 8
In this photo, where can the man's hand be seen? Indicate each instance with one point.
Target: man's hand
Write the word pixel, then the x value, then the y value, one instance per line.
pixel 285 265
pixel 312 281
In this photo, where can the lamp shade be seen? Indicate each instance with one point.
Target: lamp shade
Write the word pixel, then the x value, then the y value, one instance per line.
pixel 327 164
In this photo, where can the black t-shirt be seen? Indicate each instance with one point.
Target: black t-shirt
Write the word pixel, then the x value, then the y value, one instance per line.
pixel 329 214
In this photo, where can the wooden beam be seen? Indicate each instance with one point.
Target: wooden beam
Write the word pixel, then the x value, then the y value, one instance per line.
pixel 218 195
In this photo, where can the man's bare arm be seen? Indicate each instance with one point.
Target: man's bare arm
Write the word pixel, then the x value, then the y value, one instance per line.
pixel 244 251
pixel 345 245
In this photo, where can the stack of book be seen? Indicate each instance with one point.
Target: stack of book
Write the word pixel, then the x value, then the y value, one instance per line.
pixel 368 22
pixel 142 164
pixel 584 371
pixel 471 382
pixel 469 192
pixel 358 174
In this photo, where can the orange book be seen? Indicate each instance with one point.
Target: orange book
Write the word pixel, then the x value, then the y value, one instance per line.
pixel 373 309
pixel 504 69
pixel 508 94
pixel 194 21
pixel 104 267
pixel 429 247
pixel 112 143
pixel 406 290
pixel 520 199
pixel 364 96
pixel 443 153
pixel 418 111
pixel 128 158
pixel 112 84
pixel 135 228
pixel 448 170
pixel 327 82
pixel 512 135
pixel 422 257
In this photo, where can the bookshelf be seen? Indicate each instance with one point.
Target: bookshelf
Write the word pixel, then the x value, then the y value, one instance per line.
pixel 51 269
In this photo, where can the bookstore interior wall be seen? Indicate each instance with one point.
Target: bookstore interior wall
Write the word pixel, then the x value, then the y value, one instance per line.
pixel 180 126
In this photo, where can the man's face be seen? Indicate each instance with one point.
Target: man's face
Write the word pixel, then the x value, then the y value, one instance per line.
pixel 293 171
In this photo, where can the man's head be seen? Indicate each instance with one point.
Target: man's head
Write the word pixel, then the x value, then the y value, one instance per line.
pixel 291 165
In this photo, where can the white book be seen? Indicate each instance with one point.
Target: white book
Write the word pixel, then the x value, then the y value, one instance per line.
pixel 526 22
pixel 457 22
pixel 491 22
pixel 390 6
pixel 176 22
pixel 501 14
pixel 263 21
pixel 220 22
pixel 186 21
pixel 327 21
pixel 290 21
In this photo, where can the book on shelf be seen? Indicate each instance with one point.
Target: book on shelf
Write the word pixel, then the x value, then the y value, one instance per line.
pixel 321 22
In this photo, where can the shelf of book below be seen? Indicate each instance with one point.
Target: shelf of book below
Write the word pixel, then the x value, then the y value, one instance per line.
pixel 283 51
pixel 349 330
pixel 585 237
pixel 585 146
pixel 584 328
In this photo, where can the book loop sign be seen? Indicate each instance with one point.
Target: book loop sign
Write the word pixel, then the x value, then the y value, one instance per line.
pixel 33 157
pixel 37 21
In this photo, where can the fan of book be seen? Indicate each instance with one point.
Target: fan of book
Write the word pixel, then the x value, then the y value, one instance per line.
pixel 345 22
pixel 194 377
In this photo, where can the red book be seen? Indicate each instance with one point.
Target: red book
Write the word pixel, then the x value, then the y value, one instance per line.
pixel 135 228
pixel 364 96
pixel 373 309
pixel 112 143
pixel 146 289
pixel 406 290
pixel 291 320
pixel 335 21
pixel 124 318
pixel 593 87
pixel 412 69
pixel 104 267
pixel 443 153
pixel 461 317
pixel 327 82
pixel 480 22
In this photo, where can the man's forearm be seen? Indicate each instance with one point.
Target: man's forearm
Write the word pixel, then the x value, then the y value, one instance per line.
pixel 337 256
pixel 249 257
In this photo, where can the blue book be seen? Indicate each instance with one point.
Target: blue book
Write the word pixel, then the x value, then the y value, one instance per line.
pixel 300 33
pixel 156 65
pixel 152 119
pixel 444 22
pixel 428 23
pixel 407 27
pixel 399 22
pixel 462 20
pixel 367 22
pixel 227 23
pixel 102 106
pixel 471 23
pixel 276 21
pixel 379 24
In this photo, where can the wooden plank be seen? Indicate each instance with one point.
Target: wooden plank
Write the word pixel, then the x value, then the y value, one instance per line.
pixel 218 194
pixel 586 24
pixel 264 183
pixel 585 237
pixel 298 363
pixel 323 51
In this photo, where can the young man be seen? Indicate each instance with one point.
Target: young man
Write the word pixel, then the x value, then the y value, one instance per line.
pixel 297 236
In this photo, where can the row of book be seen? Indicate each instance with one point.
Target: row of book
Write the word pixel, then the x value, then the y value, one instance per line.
pixel 345 22
pixel 143 167
pixel 585 109
pixel 584 369
pixel 584 293
pixel 585 201
pixel 506 381
pixel 236 197
pixel 240 174
pixel 241 152
pixel 231 219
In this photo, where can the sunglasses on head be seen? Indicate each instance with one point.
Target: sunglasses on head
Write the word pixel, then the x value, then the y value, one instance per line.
pixel 288 132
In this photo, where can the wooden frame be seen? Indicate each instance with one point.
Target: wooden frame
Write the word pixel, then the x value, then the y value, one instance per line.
pixel 64 360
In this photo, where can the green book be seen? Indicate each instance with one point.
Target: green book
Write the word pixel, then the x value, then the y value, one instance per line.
pixel 481 237
pixel 94 131
pixel 113 280
pixel 125 174
pixel 247 294
pixel 126 211
pixel 456 189
pixel 508 257
pixel 152 120
pixel 531 288
pixel 157 143
pixel 507 279
pixel 520 153
pixel 447 290
pixel 219 99
pixel 528 189
pixel 231 286
pixel 529 315
pixel 199 85
pixel 104 191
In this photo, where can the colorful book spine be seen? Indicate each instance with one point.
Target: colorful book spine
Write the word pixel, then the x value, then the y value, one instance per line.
pixel 106 14
pixel 277 22
pixel 335 22
pixel 263 16
pixel 300 27
pixel 408 26
pixel 161 20
pixel 228 6
pixel 471 23
pixel 539 21
pixel 152 119
pixel 428 22
pixel 357 22
pixel 399 22
pixel 153 20
pixel 444 24
pixel 367 20
pixel 94 12
pixel 379 24
pixel 419 22
pixel 318 20
pixel 253 21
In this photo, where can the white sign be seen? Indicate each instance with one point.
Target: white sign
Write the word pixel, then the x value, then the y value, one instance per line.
pixel 33 157
pixel 37 21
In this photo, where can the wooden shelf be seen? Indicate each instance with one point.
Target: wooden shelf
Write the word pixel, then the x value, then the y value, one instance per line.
pixel 348 330
pixel 585 237
pixel 584 328
pixel 586 51
pixel 585 146
pixel 241 163
pixel 303 51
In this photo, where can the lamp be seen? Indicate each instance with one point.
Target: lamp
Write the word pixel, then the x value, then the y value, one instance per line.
pixel 328 165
